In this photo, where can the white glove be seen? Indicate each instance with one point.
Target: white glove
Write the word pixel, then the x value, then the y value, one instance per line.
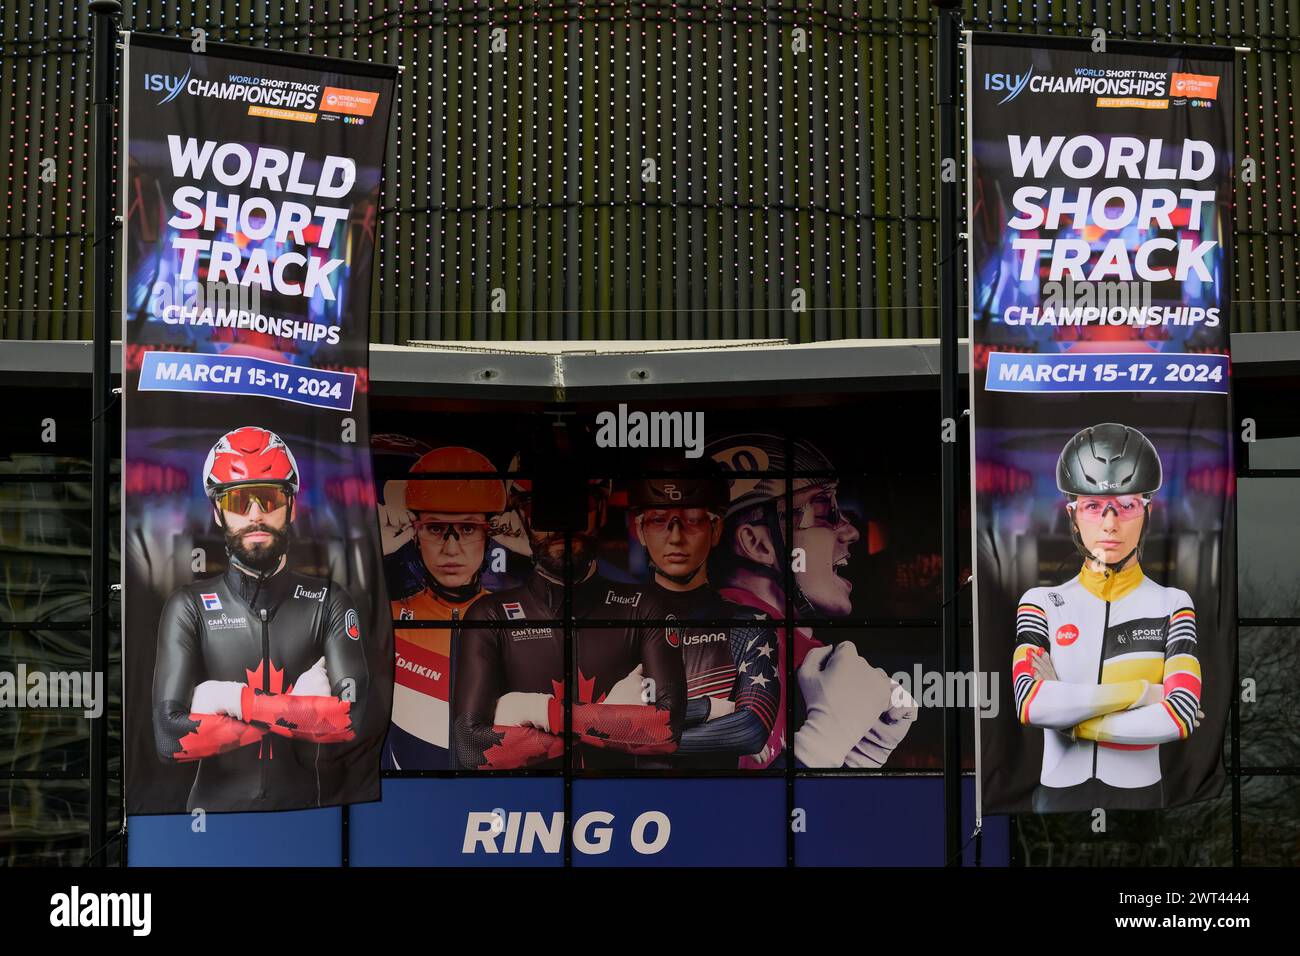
pixel 218 697
pixel 1154 694
pixel 313 682
pixel 628 690
pixel 396 524
pixel 887 733
pixel 845 697
pixel 517 709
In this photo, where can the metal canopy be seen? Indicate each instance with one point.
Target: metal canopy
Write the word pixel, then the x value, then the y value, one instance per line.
pixel 578 371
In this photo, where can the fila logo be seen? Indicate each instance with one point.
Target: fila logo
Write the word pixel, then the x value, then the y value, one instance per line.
pixel 1066 635
pixel 514 610
pixel 210 602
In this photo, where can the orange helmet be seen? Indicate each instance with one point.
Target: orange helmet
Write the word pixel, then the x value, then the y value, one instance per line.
pixel 462 495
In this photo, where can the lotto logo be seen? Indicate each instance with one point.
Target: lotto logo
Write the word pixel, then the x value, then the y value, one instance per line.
pixel 210 602
pixel 1066 635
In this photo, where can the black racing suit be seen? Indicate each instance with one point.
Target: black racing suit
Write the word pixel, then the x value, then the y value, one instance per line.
pixel 227 628
pixel 489 662
pixel 733 662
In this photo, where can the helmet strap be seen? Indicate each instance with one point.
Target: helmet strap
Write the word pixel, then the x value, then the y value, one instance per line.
pixel 1112 567
pixel 458 594
pixel 803 607
pixel 678 578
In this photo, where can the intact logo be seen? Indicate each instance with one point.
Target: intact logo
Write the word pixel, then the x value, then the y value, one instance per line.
pixel 1066 635
pixel 301 592
pixel 514 610
pixel 352 625
pixel 631 600
pixel 210 602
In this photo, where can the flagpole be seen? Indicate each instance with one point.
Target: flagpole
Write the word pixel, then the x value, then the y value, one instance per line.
pixel 949 290
pixel 104 14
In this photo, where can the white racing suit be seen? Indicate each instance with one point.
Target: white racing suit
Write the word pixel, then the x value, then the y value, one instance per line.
pixel 1111 636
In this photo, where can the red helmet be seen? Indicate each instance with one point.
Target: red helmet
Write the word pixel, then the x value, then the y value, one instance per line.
pixel 249 454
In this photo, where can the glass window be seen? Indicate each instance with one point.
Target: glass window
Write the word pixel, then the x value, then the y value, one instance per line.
pixel 1270 656
pixel 46 728
pixel 1270 821
pixel 43 822
pixel 1268 547
pixel 1275 452
pixel 1199 834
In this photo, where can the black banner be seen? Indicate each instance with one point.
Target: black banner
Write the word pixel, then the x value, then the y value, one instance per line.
pixel 1100 188
pixel 258 650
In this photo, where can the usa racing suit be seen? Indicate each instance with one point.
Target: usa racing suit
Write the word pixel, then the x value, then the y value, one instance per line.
pixel 227 628
pixel 730 662
pixel 519 655
pixel 1110 636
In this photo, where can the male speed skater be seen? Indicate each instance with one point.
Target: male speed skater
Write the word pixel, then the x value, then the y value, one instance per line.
pixel 848 713
pixel 1106 663
pixel 733 689
pixel 450 520
pixel 258 667
pixel 509 661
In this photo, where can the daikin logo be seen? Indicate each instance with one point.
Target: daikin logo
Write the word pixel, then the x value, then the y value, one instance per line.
pixel 162 83
pixel 1012 84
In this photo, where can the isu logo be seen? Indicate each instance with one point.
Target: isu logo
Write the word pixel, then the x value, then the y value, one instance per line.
pixel 1066 635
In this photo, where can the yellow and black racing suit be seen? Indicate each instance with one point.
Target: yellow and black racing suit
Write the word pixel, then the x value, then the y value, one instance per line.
pixel 1111 636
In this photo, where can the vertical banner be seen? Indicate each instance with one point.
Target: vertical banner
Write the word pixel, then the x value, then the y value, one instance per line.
pixel 1100 190
pixel 258 656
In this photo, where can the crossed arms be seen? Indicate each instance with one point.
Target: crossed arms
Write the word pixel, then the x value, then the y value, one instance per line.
pixel 196 718
pixel 1129 713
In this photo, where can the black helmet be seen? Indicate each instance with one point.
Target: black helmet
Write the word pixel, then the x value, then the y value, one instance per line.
pixel 1108 459
pixel 706 489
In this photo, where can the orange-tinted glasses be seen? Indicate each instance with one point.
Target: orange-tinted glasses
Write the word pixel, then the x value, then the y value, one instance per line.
pixel 241 498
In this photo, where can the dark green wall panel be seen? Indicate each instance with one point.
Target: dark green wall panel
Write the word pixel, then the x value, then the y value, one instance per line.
pixel 522 170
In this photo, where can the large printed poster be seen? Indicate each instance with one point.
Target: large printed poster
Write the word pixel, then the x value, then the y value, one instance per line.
pixel 1100 213
pixel 673 584
pixel 258 649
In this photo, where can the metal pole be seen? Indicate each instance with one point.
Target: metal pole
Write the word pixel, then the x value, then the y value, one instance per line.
pixel 104 15
pixel 949 289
